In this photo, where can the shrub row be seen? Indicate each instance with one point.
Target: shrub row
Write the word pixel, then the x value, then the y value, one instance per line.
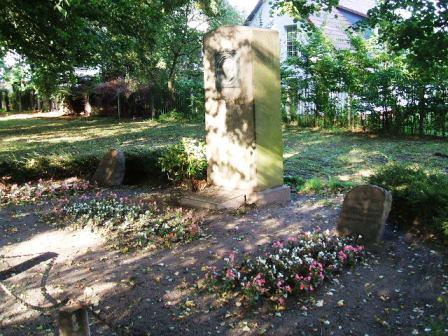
pixel 420 198
pixel 178 162
pixel 316 185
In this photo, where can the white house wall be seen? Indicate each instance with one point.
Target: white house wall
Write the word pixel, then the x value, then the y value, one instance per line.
pixel 263 19
pixel 333 24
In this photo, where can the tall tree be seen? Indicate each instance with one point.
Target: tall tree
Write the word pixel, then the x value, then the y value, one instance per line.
pixel 417 27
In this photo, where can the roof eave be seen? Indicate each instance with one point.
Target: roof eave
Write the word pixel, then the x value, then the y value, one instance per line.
pixel 350 10
pixel 254 11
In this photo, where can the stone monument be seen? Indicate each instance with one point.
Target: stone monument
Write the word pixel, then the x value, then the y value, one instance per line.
pixel 243 119
pixel 364 213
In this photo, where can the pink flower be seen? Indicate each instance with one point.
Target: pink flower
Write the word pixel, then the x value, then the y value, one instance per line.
pixel 259 280
pixel 281 301
pixel 278 244
pixel 230 274
pixel 354 249
pixel 342 256
pixel 232 257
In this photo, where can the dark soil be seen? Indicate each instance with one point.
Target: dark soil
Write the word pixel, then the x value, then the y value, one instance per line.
pixel 154 293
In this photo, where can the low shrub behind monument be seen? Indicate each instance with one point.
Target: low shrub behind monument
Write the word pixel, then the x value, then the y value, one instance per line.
pixel 420 198
pixel 183 161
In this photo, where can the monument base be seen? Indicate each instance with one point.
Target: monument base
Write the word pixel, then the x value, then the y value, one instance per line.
pixel 215 198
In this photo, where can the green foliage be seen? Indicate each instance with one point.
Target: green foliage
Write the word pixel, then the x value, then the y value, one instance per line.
pixel 393 82
pixel 295 182
pixel 128 223
pixel 185 160
pixel 27 169
pixel 314 185
pixel 417 27
pixel 336 185
pixel 439 325
pixel 317 185
pixel 59 149
pixel 154 44
pixel 420 198
pixel 300 9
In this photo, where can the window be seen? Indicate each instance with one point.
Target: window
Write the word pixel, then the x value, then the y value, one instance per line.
pixel 291 40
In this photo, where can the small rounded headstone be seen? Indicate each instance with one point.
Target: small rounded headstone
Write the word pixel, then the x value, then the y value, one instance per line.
pixel 364 213
pixel 111 170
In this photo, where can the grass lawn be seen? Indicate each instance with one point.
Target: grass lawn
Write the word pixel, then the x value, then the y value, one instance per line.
pixel 308 153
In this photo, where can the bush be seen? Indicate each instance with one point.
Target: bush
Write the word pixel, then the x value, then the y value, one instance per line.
pixel 184 161
pixel 143 166
pixel 335 185
pixel 420 198
pixel 295 182
pixel 314 185
pixel 33 168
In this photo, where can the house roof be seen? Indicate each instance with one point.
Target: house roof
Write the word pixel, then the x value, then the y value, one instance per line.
pixel 357 7
pixel 334 25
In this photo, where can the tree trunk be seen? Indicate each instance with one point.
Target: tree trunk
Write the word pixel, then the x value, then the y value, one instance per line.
pixel 87 106
pixel 7 102
pixel 152 107
pixel 119 105
pixel 349 112
pixel 421 111
pixel 19 101
pixel 444 124
pixel 39 103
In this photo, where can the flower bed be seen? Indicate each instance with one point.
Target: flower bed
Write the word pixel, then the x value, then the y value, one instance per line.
pixel 128 222
pixel 31 192
pixel 299 265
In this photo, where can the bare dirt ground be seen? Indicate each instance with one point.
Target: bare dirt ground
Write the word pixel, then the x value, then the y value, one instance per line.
pixel 153 293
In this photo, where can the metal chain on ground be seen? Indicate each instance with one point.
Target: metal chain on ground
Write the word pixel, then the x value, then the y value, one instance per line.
pixel 46 309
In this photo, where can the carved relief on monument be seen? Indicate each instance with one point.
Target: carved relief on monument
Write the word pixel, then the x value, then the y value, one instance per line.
pixel 227 65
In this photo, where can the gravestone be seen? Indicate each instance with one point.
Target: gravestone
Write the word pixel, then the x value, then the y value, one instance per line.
pixel 243 119
pixel 364 213
pixel 111 170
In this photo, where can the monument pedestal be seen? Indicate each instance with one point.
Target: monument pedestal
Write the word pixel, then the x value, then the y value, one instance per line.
pixel 215 198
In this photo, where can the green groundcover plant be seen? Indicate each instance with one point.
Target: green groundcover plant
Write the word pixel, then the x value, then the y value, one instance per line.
pixel 126 222
pixel 301 264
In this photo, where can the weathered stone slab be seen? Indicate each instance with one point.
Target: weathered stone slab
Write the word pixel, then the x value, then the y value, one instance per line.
pixel 279 195
pixel 214 198
pixel 111 170
pixel 364 213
